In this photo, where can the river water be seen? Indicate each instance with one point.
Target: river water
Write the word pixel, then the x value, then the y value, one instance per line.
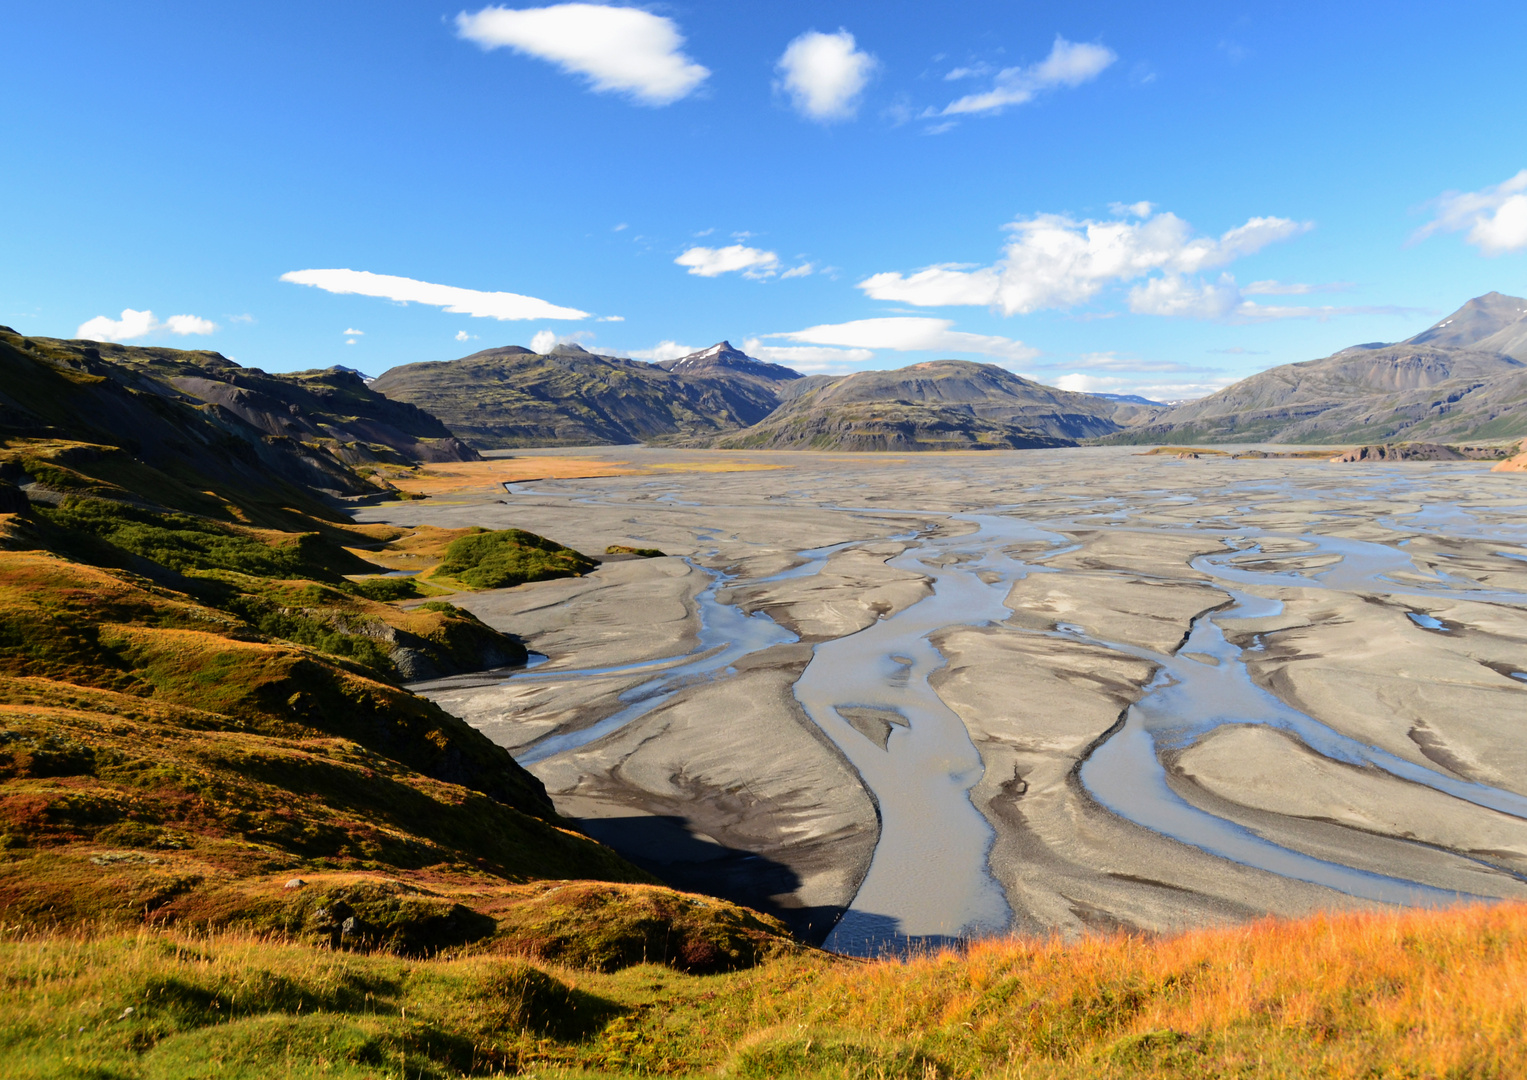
pixel 929 879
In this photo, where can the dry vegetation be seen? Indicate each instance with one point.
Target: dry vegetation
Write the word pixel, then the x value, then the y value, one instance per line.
pixel 1414 994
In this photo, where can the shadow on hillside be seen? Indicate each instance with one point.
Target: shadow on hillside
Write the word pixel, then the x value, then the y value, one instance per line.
pixel 663 845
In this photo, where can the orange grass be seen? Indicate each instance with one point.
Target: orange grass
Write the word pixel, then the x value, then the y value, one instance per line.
pixel 1414 993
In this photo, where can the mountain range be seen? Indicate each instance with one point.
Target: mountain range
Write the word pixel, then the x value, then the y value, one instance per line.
pixel 1463 378
pixel 509 397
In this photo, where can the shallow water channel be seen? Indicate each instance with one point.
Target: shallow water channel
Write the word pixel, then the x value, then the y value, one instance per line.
pixel 869 692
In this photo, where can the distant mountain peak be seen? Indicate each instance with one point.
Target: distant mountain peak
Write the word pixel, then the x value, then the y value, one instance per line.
pixel 1485 322
pixel 723 355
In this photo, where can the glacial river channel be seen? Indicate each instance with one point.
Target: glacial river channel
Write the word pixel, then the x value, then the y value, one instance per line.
pixel 929 877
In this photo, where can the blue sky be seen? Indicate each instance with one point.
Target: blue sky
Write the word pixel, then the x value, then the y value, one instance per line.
pixel 1139 198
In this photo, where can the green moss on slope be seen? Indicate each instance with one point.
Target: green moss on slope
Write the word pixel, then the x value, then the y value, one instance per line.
pixel 500 559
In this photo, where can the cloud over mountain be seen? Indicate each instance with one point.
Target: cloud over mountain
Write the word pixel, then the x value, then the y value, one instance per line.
pixel 905 333
pixel 618 49
pixel 1056 261
pixel 137 324
pixel 457 301
pixel 1495 217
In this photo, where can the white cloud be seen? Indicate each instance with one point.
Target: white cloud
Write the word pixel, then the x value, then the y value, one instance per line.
pixel 909 333
pixel 462 335
pixel 1090 384
pixel 245 318
pixel 137 324
pixel 807 357
pixel 357 333
pixel 189 324
pixel 1293 288
pixel 482 305
pixel 804 270
pixel 544 341
pixel 1174 294
pixel 1496 217
pixel 663 350
pixel 619 49
pixel 713 262
pixel 611 318
pixel 1069 64
pixel 824 74
pixel 1055 261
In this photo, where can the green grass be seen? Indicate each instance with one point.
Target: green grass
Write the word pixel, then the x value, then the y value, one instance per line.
pixel 507 557
pixel 1420 994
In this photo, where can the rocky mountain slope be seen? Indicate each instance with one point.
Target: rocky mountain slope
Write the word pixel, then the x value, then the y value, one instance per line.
pixel 941 405
pixel 275 439
pixel 510 396
pixel 1464 378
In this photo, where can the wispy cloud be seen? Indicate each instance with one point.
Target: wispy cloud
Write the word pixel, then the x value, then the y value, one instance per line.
pixel 908 334
pixel 1056 261
pixel 1069 64
pixel 824 75
pixel 621 50
pixel 713 262
pixel 1294 288
pixel 663 350
pixel 812 358
pixel 136 324
pixel 803 270
pixel 482 305
pixel 1493 219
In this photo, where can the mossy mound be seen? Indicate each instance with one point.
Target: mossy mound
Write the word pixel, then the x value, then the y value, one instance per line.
pixel 605 927
pixel 503 558
pixel 645 553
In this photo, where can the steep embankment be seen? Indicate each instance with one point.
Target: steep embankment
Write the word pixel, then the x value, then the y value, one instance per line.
pixel 511 396
pixel 1464 378
pixel 202 717
pixel 942 405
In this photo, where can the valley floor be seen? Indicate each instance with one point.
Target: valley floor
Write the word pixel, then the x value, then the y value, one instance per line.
pixel 953 695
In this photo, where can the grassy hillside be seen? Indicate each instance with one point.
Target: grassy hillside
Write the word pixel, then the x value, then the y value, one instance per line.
pixel 1417 994
pixel 203 721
